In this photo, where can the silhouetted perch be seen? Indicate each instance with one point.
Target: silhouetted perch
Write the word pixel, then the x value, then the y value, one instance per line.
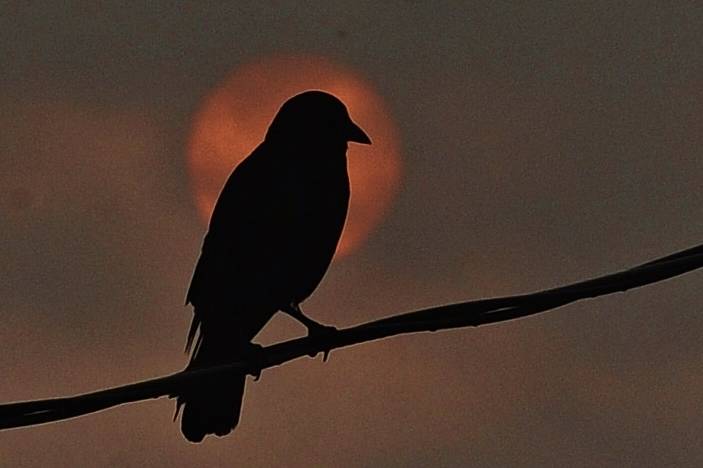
pixel 458 315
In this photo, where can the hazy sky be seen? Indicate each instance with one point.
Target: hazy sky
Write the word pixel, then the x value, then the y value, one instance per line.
pixel 541 144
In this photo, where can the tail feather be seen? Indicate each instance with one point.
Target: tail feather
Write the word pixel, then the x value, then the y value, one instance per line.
pixel 213 405
pixel 194 326
pixel 214 410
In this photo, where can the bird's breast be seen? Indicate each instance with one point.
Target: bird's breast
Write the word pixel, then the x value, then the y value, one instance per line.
pixel 317 201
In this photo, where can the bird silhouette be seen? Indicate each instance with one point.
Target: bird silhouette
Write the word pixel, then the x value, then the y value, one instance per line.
pixel 271 238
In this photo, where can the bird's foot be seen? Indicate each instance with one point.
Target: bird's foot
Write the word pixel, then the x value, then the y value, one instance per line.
pixel 317 330
pixel 253 354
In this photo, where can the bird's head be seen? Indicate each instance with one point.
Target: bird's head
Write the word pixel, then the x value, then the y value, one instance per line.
pixel 315 116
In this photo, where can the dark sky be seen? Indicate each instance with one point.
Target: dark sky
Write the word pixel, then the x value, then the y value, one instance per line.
pixel 541 144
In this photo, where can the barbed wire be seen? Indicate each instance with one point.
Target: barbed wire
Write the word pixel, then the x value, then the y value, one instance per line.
pixel 458 315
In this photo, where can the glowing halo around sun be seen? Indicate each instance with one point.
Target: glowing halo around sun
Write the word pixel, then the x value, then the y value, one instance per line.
pixel 233 119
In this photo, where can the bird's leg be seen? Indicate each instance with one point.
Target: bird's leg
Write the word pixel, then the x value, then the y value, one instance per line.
pixel 314 328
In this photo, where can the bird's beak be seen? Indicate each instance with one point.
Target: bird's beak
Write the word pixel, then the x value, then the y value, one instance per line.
pixel 356 134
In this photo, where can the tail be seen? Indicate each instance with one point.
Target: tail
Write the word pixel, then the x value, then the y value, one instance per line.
pixel 212 406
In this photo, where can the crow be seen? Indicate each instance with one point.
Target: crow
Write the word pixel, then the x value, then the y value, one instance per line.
pixel 271 238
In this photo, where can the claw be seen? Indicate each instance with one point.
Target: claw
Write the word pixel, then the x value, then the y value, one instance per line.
pixel 315 330
pixel 319 330
pixel 253 357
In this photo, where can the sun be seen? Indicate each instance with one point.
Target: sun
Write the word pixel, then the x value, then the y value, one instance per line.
pixel 233 119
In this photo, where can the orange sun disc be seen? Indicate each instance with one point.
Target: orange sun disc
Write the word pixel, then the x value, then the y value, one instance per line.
pixel 233 119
